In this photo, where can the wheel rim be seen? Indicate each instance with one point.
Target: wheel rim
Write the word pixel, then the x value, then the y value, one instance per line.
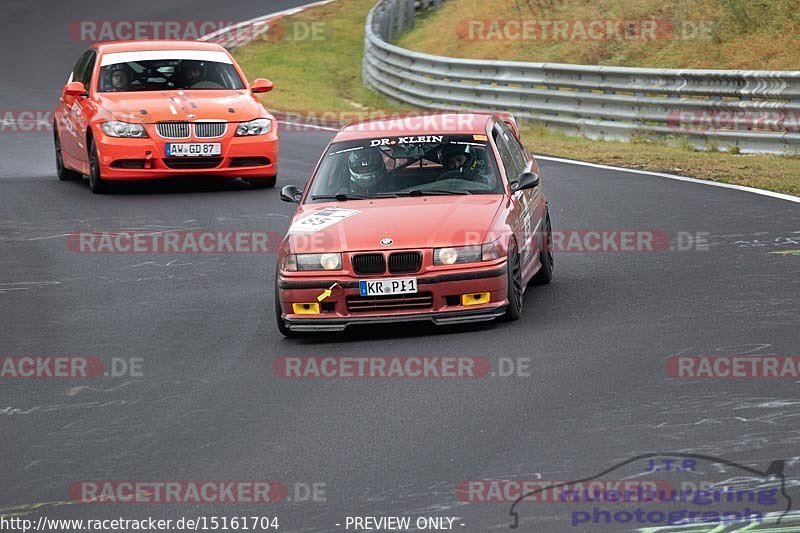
pixel 516 280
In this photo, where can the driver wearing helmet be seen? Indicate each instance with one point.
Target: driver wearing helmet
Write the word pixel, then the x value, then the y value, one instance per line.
pixel 118 78
pixel 192 72
pixel 367 170
pixel 462 161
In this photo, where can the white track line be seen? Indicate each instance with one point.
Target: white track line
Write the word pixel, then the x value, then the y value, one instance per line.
pixel 762 192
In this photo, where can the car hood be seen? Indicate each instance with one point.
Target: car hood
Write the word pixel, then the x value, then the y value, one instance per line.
pixel 420 222
pixel 156 106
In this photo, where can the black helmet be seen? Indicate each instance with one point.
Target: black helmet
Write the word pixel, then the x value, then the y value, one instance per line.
pixel 451 150
pixel 366 167
pixel 193 64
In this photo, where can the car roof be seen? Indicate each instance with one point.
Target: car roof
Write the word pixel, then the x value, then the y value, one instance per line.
pixel 415 124
pixel 143 45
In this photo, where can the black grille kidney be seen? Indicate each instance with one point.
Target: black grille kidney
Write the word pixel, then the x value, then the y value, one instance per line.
pixel 405 262
pixel 369 264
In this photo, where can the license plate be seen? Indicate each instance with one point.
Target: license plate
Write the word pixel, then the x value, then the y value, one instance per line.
pixel 193 149
pixel 387 287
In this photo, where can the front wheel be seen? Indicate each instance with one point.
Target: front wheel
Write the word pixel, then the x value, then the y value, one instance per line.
pixel 64 174
pixel 516 291
pixel 96 182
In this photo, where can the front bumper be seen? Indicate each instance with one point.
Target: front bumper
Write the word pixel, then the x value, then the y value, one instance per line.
pixel 443 288
pixel 143 159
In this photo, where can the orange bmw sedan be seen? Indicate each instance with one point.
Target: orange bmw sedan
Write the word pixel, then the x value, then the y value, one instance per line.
pixel 142 110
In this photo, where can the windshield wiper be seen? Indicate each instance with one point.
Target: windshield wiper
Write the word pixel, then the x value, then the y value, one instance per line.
pixel 434 192
pixel 341 197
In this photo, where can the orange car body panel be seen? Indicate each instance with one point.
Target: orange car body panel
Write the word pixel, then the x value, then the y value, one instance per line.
pixel 78 117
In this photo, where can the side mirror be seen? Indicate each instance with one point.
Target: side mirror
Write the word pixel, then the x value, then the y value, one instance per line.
pixel 262 85
pixel 527 180
pixel 75 88
pixel 290 194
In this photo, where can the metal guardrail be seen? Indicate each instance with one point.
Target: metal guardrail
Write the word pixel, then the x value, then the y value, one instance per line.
pixel 752 111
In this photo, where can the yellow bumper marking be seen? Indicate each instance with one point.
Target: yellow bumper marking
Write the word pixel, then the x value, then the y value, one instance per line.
pixel 475 298
pixel 306 309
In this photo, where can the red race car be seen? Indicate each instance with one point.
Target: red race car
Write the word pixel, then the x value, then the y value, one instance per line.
pixel 438 217
pixel 141 110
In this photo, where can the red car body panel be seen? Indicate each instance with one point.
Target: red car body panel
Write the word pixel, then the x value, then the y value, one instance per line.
pixel 78 117
pixel 415 224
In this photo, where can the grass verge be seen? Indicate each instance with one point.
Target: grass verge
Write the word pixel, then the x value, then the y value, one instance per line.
pixel 324 75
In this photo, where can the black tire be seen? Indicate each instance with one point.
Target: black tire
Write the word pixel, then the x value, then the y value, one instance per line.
pixel 516 290
pixel 545 274
pixel 285 331
pixel 262 183
pixel 96 182
pixel 64 174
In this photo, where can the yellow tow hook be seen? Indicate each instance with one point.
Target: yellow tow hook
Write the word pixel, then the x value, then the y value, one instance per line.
pixel 327 293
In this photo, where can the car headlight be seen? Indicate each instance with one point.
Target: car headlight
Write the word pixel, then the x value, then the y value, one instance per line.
pixel 452 256
pixel 259 126
pixel 295 262
pixel 491 251
pixel 115 128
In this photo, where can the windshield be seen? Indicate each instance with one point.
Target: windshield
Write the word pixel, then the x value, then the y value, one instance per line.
pixel 168 74
pixel 411 165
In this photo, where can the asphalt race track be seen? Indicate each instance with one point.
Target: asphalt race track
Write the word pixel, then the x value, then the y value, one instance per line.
pixel 209 406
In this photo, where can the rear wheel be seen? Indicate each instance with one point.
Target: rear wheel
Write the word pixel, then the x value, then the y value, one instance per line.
pixel 262 183
pixel 545 273
pixel 516 290
pixel 64 174
pixel 96 182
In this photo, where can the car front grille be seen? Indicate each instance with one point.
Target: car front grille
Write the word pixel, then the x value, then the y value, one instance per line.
pixel 405 262
pixel 180 163
pixel 369 264
pixel 173 130
pixel 207 130
pixel 404 302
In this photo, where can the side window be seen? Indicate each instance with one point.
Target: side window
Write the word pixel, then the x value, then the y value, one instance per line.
pixel 75 75
pixel 511 167
pixel 88 68
pixel 517 151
